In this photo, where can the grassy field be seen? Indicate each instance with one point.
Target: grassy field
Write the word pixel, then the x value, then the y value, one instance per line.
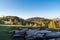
pixel 4 29
pixel 55 29
pixel 4 35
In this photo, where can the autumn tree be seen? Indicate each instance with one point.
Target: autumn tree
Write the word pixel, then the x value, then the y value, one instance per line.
pixel 51 24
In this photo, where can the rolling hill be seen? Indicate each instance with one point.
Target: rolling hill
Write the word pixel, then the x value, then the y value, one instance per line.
pixel 33 22
pixel 14 20
pixel 50 23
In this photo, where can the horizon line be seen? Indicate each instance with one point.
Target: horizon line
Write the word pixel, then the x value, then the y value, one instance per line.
pixel 30 17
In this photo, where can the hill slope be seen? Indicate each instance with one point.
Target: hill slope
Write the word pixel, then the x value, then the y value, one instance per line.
pixel 33 22
pixel 14 20
pixel 50 23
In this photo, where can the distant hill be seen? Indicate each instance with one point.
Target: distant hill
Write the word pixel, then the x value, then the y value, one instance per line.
pixel 14 20
pixel 50 23
pixel 38 19
pixel 56 18
pixel 32 22
pixel 11 20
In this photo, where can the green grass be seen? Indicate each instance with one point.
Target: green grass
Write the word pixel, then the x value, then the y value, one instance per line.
pixel 4 35
pixel 55 29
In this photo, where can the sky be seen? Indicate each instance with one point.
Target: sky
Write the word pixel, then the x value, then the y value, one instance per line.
pixel 30 8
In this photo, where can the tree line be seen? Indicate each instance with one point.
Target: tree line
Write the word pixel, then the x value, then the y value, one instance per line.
pixel 32 22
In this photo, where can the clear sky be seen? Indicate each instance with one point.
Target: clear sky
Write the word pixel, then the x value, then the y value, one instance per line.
pixel 30 8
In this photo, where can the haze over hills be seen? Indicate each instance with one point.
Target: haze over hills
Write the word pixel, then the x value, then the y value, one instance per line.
pixel 57 18
pixel 33 22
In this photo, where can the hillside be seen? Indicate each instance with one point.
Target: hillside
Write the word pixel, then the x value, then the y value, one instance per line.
pixel 33 22
pixel 14 20
pixel 50 23
pixel 57 18
pixel 10 20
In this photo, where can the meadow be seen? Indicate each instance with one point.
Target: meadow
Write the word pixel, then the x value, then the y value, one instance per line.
pixel 5 35
pixel 4 32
